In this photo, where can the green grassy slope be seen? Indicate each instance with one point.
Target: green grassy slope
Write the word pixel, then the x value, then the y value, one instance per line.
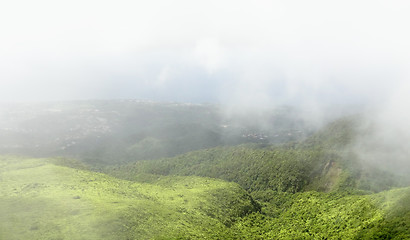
pixel 315 189
pixel 314 215
pixel 253 168
pixel 40 200
pixel 323 162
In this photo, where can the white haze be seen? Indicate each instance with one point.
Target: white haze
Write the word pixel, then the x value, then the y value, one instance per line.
pixel 385 140
pixel 245 54
pixel 253 53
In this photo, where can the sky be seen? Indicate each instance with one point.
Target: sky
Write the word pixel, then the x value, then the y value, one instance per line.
pixel 239 52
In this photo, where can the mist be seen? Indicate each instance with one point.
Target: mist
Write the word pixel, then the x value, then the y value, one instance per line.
pixel 230 52
pixel 317 56
pixel 384 136
pixel 204 119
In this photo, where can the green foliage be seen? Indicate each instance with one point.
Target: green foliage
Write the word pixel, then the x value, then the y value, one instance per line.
pixel 335 136
pixel 396 221
pixel 315 189
pixel 278 169
pixel 313 215
pixel 253 168
pixel 39 200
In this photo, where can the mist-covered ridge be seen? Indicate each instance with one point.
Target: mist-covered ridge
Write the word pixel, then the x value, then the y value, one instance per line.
pixel 325 161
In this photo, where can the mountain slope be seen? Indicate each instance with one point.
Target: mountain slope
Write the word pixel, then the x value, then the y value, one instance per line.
pixel 323 162
pixel 253 168
pixel 39 200
pixel 314 215
pixel 315 189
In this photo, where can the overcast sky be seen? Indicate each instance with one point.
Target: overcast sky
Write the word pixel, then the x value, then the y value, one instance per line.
pixel 259 52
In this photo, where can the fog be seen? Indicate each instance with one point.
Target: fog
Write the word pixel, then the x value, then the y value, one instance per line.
pixel 234 52
pixel 315 55
pixel 385 135
pixel 204 92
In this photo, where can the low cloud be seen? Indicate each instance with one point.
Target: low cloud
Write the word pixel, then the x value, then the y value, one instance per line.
pixel 384 141
pixel 210 54
pixel 234 52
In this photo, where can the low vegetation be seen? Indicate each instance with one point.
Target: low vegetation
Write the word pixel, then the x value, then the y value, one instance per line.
pixel 39 200
pixel 252 188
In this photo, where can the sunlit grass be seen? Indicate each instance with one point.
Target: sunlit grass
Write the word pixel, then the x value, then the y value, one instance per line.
pixel 39 200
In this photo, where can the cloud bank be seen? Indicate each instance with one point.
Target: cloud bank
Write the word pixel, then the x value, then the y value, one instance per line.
pixel 241 52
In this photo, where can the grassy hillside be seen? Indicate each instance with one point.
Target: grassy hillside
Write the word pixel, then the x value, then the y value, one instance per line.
pixel 323 162
pixel 40 200
pixel 314 215
pixel 279 169
pixel 315 189
pixel 253 168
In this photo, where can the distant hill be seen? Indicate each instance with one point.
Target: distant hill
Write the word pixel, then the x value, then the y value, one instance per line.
pixel 120 131
pixel 322 162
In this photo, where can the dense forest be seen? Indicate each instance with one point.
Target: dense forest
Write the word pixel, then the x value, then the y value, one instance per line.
pixel 143 170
